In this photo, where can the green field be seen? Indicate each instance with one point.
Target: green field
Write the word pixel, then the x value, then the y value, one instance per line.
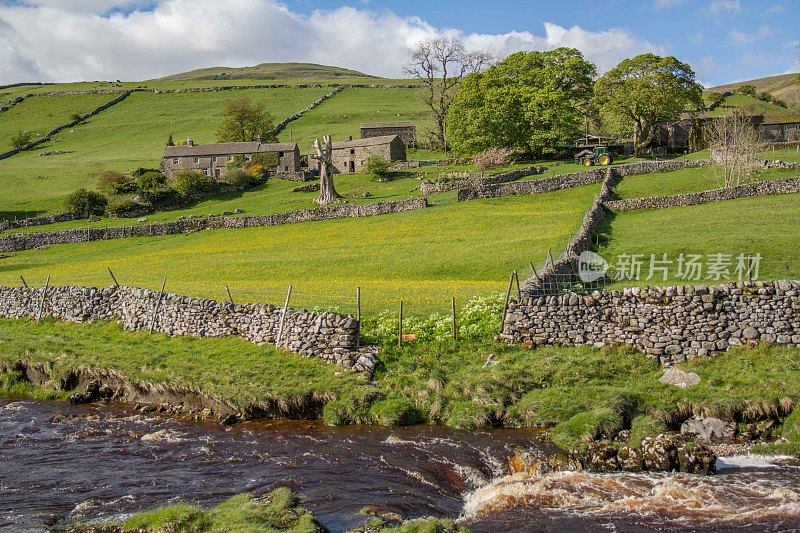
pixel 342 115
pixel 41 114
pixel 686 181
pixel 768 225
pixel 128 135
pixel 748 104
pixel 422 257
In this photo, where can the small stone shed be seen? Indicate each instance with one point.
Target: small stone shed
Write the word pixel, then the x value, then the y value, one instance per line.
pixel 211 159
pixel 350 156
pixel 407 131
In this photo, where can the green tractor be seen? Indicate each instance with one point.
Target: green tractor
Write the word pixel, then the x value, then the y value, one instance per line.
pixel 599 156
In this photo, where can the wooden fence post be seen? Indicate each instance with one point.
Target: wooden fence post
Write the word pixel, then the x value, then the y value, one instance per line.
pixel 550 256
pixel 24 283
pixel 453 309
pixel 230 298
pixel 283 317
pixel 113 276
pixel 519 289
pixel 400 327
pixel 41 302
pixel 508 297
pixel 358 317
pixel 533 268
pixel 158 304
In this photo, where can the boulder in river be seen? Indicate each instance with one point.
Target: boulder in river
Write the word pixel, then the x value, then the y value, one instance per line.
pixel 710 429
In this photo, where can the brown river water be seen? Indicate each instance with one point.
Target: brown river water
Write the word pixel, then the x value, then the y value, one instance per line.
pixel 110 462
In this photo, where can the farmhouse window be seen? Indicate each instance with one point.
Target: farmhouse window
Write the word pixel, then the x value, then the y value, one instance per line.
pixel 352 151
pixel 174 160
pixel 280 154
pixel 214 159
pixel 247 157
pixel 286 169
pixel 196 159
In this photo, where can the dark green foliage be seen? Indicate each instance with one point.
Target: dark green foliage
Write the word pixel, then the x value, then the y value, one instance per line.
pixel 747 90
pixel 531 103
pixel 246 120
pixel 21 139
pixel 192 183
pixel 150 180
pixel 160 197
pixel 240 178
pixel 84 203
pixel 394 412
pixel 170 142
pixel 114 182
pixel 378 166
pixel 126 208
pixel 268 159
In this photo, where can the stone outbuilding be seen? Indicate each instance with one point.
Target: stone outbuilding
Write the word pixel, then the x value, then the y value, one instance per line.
pixel 407 131
pixel 350 156
pixel 780 128
pixel 211 159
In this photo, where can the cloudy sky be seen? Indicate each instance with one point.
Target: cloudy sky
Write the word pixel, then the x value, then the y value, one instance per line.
pixel 70 40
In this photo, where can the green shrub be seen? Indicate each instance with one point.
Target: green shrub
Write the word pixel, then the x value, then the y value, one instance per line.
pixel 378 166
pixel 84 203
pixel 394 412
pixel 114 182
pixel 267 159
pixel 126 209
pixel 645 426
pixel 240 178
pixel 21 139
pixel 587 426
pixel 237 161
pixel 468 415
pixel 192 183
pixel 161 197
pixel 150 180
pixel 790 429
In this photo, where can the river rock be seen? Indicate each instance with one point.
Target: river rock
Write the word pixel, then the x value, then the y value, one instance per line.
pixel 630 459
pixel 598 456
pixel 696 458
pixel 679 378
pixel 659 453
pixel 709 429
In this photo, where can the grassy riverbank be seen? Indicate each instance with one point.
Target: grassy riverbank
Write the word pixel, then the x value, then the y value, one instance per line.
pixel 436 381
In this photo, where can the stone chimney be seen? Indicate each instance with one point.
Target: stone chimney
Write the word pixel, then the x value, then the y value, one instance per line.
pixel 189 142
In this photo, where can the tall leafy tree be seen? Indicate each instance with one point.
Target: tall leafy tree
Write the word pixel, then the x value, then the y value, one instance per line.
pixel 643 91
pixel 246 120
pixel 531 102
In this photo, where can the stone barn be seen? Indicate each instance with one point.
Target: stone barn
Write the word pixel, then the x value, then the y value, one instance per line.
pixel 780 128
pixel 407 131
pixel 350 156
pixel 210 159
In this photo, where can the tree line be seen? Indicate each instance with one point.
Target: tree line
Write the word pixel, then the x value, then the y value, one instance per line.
pixel 537 103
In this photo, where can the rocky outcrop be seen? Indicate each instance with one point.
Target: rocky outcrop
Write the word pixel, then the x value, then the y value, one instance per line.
pixel 763 188
pixel 326 335
pixel 27 241
pixel 669 324
pixel 709 429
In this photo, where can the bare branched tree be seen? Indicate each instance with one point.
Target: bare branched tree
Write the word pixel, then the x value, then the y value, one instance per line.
pixel 440 64
pixel 735 145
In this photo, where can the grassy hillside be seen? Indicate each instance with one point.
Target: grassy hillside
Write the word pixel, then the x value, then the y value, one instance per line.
pixel 43 113
pixel 749 104
pixel 126 136
pixel 422 257
pixel 268 71
pixel 767 225
pixel 783 86
pixel 341 116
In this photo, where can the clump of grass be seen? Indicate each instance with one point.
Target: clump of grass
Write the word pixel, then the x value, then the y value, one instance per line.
pixel 644 426
pixel 427 525
pixel 587 426
pixel 13 385
pixel 468 415
pixel 394 412
pixel 279 510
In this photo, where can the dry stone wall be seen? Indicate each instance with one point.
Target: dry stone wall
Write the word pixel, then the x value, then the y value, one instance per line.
pixel 576 179
pixel 475 182
pixel 26 241
pixel 36 221
pixel 329 336
pixel 670 324
pixel 764 188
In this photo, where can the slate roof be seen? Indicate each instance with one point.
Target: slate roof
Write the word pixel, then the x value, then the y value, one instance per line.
pixel 370 141
pixel 781 119
pixel 389 125
pixel 227 149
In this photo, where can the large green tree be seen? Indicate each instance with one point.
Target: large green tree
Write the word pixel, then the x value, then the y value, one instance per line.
pixel 246 120
pixel 641 92
pixel 531 102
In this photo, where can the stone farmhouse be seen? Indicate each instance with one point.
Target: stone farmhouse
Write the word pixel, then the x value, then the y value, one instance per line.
pixel 351 155
pixel 211 159
pixel 407 131
pixel 779 128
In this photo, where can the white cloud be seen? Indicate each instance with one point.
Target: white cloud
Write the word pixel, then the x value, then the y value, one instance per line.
pixel 743 37
pixel 664 4
pixel 717 7
pixel 60 40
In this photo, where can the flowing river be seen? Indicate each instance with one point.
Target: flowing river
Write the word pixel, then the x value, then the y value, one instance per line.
pixel 104 462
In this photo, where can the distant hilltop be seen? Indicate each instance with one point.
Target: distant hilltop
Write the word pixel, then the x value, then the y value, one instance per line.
pixel 268 71
pixel 783 86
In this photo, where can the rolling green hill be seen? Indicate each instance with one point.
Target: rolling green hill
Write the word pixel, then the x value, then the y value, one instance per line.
pixel 783 86
pixel 268 71
pixel 749 104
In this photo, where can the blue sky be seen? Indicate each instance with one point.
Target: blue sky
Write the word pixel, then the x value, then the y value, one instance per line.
pixel 70 40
